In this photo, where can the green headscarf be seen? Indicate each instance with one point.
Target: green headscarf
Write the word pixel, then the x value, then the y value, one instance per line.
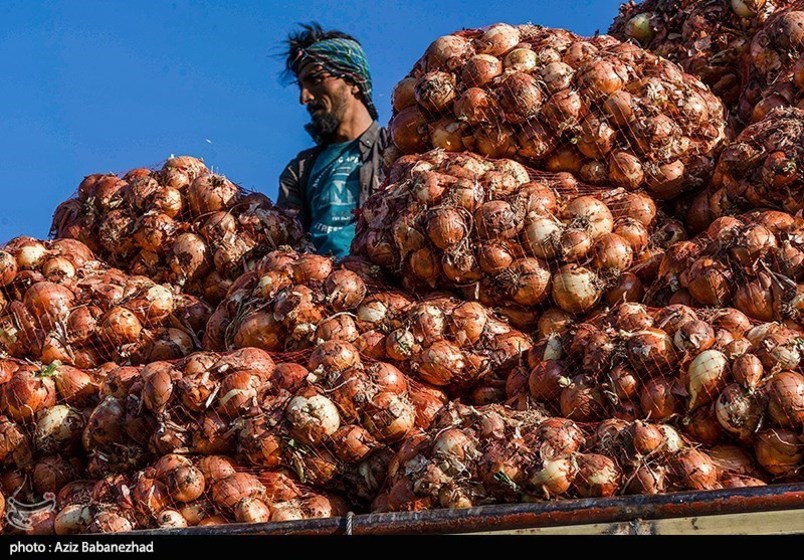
pixel 343 58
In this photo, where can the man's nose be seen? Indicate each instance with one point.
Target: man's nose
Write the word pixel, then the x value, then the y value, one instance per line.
pixel 305 96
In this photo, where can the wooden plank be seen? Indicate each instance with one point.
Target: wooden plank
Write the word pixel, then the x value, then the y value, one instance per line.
pixel 759 523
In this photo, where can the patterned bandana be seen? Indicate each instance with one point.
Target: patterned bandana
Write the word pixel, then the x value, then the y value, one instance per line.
pixel 343 58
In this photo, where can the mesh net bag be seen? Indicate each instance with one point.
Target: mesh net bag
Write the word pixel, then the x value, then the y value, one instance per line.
pixel 707 39
pixel 761 168
pixel 474 456
pixel 607 111
pixel 511 238
pixel 180 224
pixel 773 71
pixel 59 304
pixel 752 262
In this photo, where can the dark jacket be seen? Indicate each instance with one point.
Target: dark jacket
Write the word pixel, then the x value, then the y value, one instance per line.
pixel 293 181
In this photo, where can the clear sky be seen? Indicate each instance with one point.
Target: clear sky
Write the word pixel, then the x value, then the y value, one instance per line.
pixel 104 86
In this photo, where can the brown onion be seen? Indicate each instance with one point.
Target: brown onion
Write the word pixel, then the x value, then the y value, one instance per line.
pixel 786 399
pixel 598 476
pixel 779 451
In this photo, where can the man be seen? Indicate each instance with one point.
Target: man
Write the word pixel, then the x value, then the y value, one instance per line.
pixel 325 184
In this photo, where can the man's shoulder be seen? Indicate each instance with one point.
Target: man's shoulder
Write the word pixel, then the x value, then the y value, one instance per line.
pixel 304 156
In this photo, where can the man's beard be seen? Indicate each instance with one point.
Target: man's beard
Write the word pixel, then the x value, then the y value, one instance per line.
pixel 322 127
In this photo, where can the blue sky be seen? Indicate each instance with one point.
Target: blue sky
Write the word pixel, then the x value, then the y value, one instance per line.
pixel 105 86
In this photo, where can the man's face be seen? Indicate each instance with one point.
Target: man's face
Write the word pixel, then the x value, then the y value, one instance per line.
pixel 326 98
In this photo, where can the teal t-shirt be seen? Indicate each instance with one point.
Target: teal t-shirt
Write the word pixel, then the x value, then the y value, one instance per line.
pixel 333 192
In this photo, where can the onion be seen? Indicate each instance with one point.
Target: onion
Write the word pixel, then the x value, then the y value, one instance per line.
pixel 739 411
pixel 582 400
pixel 554 321
pixel 171 519
pixel 440 364
pixel 260 330
pixel 625 170
pixel 647 479
pixel 651 351
pixel 189 256
pixel 499 39
pixel 694 336
pixel 547 380
pixel 710 282
pixel 574 244
pixel 657 401
pixel 334 356
pixel 389 417
pixel 779 451
pixel 26 394
pixel 312 418
pixel 58 428
pixel 402 94
pixel 29 253
pixel 8 268
pixel 50 303
pixel 702 425
pixel 520 97
pixel 693 470
pixel 575 289
pixel 345 290
pixel 447 134
pixel 72 520
pixel 448 52
pixel 211 193
pixel 786 399
pixel 227 493
pixel 185 483
pixel 732 320
pixel 527 281
pixel 591 214
pixel 120 326
pixel 707 375
pixel 555 477
pixel 337 327
pixel 598 476
pixel 612 252
pixel 521 59
pixel 480 70
pixel 640 28
pixel 624 382
pixel 76 387
pixel 405 130
pixel 446 228
pixel 627 288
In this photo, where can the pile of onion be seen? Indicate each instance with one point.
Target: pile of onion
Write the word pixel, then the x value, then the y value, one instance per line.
pixel 607 111
pixel 707 39
pixel 463 347
pixel 179 491
pixel 57 303
pixel 773 70
pixel 752 262
pixel 761 168
pixel 509 237
pixel 180 224
pixel 293 301
pixel 712 372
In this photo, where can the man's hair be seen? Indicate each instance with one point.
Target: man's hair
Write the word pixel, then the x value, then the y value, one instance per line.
pixel 309 34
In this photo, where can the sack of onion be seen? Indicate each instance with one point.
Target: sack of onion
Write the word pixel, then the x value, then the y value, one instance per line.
pixel 492 454
pixel 752 262
pixel 179 491
pixel 707 39
pixel 181 224
pixel 511 238
pixel 59 304
pixel 761 167
pixel 609 112
pixel 772 67
pixel 714 374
